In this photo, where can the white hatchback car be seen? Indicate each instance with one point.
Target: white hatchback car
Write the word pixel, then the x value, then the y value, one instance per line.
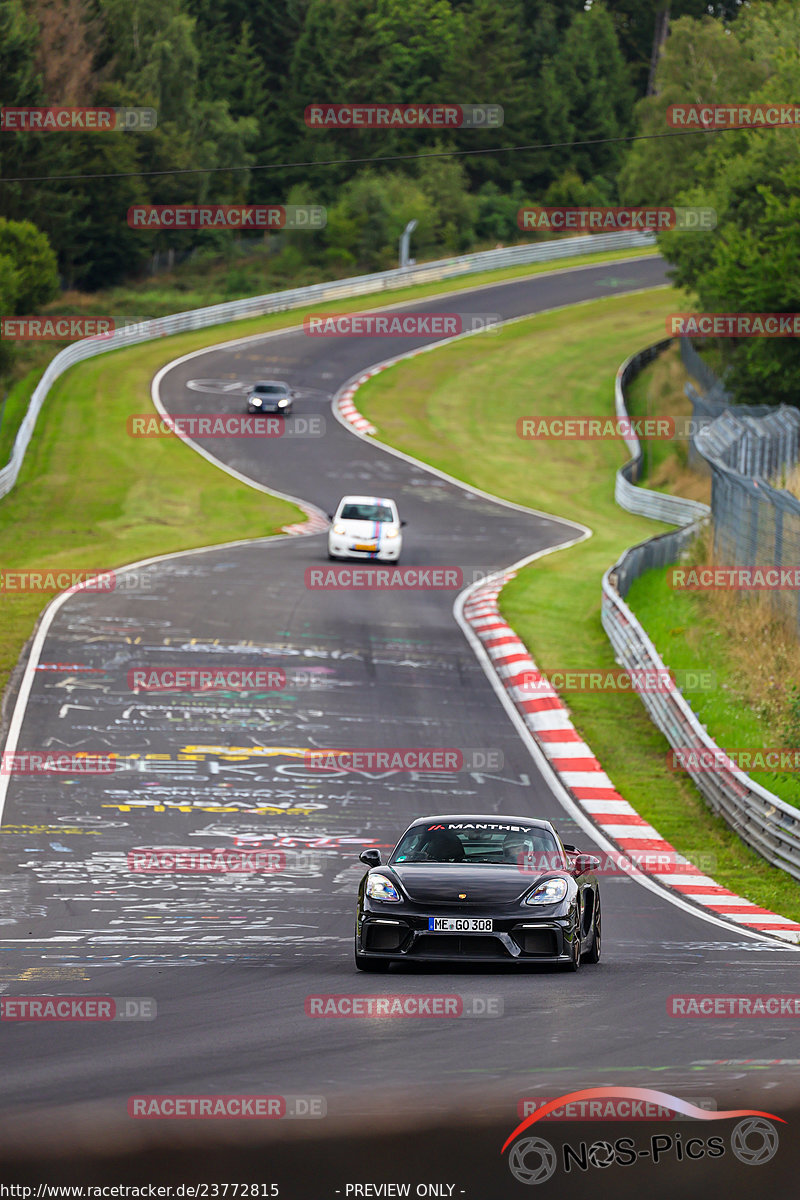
pixel 365 527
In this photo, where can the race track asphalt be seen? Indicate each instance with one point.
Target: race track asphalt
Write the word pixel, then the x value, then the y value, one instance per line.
pixel 231 960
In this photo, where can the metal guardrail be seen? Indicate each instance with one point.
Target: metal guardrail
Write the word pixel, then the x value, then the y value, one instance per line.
pixel 656 552
pixel 762 820
pixel 672 510
pixel 339 289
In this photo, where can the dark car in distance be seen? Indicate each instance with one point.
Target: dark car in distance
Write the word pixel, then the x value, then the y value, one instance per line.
pixel 270 396
pixel 478 889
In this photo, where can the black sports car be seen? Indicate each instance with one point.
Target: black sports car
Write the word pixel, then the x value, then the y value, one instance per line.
pixel 477 889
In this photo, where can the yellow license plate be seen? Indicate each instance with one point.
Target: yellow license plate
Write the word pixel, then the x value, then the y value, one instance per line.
pixel 365 546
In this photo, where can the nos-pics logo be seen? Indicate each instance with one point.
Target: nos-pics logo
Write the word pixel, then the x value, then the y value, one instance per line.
pixel 533 1159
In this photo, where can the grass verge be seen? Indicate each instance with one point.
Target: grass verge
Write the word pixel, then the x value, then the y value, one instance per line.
pixel 435 407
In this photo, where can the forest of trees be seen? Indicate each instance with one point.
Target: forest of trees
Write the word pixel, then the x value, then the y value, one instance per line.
pixel 230 80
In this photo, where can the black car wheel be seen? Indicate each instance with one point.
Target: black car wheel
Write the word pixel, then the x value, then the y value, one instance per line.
pixel 593 954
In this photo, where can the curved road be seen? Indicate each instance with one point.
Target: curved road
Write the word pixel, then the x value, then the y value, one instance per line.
pixel 231 960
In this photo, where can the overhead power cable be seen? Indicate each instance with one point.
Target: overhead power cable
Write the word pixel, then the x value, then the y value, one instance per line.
pixel 382 158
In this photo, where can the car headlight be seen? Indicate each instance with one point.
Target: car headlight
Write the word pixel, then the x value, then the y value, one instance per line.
pixel 392 533
pixel 255 400
pixel 551 891
pixel 340 529
pixel 381 888
pixel 282 403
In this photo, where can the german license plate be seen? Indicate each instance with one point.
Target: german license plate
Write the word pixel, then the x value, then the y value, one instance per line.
pixel 365 546
pixel 460 924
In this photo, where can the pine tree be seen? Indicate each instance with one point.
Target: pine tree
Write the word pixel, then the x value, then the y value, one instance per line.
pixel 594 79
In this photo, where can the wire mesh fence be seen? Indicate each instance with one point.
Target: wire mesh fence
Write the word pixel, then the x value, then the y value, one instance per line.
pixel 754 523
pixel 748 450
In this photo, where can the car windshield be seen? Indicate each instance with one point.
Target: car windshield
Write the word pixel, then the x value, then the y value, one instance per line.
pixel 366 512
pixel 479 842
pixel 270 389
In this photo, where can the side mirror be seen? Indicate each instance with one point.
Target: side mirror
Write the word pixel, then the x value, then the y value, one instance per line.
pixel 329 516
pixel 370 858
pixel 404 522
pixel 585 863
